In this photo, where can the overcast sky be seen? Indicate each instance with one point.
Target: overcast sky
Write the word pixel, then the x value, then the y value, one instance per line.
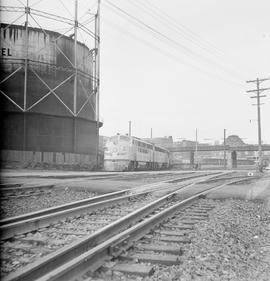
pixel 158 88
pixel 179 65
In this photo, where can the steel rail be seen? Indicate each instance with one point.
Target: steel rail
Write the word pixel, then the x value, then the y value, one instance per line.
pixel 27 225
pixel 63 207
pixel 60 176
pixel 19 187
pixel 92 259
pixel 67 253
pixel 189 177
pixel 215 174
pixel 243 177
pixel 27 221
pixel 10 192
pixel 5 186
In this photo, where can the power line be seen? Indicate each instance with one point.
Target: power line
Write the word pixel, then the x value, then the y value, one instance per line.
pixel 173 57
pixel 179 28
pixel 168 54
pixel 184 28
pixel 36 3
pixel 184 32
pixel 190 53
pixel 68 11
pixel 87 10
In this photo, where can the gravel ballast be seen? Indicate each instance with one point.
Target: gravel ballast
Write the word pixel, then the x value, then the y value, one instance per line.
pixel 233 244
pixel 18 206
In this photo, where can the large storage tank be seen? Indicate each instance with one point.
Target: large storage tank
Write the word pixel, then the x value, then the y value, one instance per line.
pixel 43 118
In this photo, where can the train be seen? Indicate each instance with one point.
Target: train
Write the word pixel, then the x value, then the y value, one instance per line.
pixel 127 153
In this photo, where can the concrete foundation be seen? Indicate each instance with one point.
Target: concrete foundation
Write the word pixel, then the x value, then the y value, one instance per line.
pixel 58 158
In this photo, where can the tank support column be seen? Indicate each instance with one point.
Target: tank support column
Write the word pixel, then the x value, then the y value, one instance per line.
pixel 27 12
pixel 75 78
pixel 97 76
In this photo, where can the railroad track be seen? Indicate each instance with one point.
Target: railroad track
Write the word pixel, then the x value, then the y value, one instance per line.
pixel 19 191
pixel 162 245
pixel 10 191
pixel 134 247
pixel 75 235
pixel 242 178
pixel 12 226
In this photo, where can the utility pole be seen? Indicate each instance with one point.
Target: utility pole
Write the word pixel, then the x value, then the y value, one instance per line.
pixel 129 128
pixel 258 96
pixel 151 135
pixel 196 149
pixel 224 155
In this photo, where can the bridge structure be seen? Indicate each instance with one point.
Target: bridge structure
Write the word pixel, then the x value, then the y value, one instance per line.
pixel 230 152
pixel 249 147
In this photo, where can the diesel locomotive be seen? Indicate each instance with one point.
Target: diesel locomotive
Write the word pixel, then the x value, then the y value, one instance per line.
pixel 125 153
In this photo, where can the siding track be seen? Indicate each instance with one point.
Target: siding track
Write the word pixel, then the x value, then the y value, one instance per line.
pixel 35 220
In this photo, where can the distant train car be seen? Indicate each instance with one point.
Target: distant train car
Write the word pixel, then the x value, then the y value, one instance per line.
pixel 124 153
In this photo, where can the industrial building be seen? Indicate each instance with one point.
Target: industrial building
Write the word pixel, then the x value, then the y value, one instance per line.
pixel 48 98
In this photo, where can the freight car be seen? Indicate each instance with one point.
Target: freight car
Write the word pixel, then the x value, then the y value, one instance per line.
pixel 124 153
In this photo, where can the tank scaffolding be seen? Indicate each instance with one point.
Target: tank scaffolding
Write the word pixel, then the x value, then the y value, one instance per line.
pixel 32 18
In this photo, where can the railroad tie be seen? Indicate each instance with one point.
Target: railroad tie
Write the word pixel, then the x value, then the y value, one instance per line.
pixel 203 207
pixel 35 240
pixel 178 226
pixel 171 233
pixel 25 248
pixel 174 239
pixel 134 269
pixel 176 250
pixel 167 259
pixel 198 214
pixel 67 232
pixel 189 221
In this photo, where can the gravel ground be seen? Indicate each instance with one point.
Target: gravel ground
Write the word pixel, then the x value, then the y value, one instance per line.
pixel 19 206
pixel 234 244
